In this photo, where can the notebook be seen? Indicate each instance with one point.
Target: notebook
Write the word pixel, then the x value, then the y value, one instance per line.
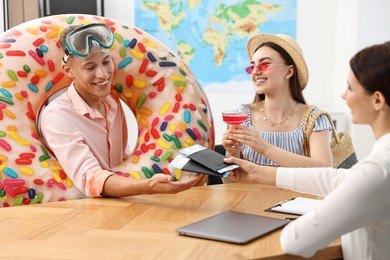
pixel 212 160
pixel 233 227
pixel 186 164
pixel 199 159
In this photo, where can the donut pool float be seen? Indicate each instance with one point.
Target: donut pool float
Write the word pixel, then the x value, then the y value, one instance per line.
pixel 170 107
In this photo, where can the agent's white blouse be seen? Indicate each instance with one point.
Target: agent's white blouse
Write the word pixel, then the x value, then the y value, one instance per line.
pixel 356 207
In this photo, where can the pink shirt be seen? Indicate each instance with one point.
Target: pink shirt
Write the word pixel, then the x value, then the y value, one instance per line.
pixel 85 143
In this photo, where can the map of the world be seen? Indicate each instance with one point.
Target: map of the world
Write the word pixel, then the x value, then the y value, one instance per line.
pixel 210 35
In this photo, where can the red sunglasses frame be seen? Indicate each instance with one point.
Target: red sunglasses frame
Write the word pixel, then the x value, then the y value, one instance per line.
pixel 262 66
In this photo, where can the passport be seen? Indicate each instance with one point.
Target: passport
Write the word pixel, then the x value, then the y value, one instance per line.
pixel 199 159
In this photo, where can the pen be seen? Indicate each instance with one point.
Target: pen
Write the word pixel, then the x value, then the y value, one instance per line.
pixel 291 218
pixel 279 204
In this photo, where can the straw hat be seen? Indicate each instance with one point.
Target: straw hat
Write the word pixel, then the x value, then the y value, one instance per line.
pixel 289 45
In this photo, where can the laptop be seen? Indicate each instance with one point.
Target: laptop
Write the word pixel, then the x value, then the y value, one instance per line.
pixel 233 227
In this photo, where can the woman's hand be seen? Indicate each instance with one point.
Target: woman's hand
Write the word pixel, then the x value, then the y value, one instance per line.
pixel 250 137
pixel 228 142
pixel 251 172
pixel 245 173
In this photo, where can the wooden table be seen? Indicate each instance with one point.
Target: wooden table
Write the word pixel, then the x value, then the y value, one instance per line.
pixel 141 227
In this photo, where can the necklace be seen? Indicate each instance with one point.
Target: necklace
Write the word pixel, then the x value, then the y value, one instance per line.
pixel 273 124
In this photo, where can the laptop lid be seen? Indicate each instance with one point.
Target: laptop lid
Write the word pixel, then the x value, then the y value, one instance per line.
pixel 233 227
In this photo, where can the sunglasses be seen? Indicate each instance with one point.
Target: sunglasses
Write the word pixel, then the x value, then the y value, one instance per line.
pixel 263 66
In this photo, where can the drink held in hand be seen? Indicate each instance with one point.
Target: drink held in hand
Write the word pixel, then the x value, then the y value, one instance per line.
pixel 234 117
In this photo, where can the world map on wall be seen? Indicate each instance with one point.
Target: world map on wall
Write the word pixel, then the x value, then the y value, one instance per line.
pixel 210 35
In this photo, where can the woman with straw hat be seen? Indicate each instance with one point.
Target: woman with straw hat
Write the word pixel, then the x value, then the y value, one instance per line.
pixel 272 134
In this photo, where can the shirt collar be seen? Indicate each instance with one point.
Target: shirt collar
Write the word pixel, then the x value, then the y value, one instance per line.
pixel 383 140
pixel 83 108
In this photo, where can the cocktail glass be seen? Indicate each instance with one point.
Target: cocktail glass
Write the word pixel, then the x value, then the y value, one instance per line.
pixel 234 117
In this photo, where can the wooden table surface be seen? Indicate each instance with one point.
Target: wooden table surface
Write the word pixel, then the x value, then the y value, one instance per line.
pixel 142 227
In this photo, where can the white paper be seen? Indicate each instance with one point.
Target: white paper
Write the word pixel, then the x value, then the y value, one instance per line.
pixel 179 161
pixel 192 149
pixel 298 206
pixel 228 168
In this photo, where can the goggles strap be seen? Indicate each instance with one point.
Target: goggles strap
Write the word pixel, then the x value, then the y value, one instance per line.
pixel 65 57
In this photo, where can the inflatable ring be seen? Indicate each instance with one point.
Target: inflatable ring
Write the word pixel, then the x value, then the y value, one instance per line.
pixel 169 105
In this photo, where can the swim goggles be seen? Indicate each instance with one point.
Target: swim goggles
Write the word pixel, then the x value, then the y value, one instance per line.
pixel 79 41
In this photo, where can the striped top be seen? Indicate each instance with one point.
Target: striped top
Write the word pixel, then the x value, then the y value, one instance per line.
pixel 291 141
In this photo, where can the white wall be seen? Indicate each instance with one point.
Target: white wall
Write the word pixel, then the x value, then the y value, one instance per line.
pixel 1 16
pixel 373 25
pixel 121 10
pixel 315 34
pixel 360 24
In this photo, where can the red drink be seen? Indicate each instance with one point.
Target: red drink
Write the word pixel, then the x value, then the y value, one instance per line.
pixel 234 117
